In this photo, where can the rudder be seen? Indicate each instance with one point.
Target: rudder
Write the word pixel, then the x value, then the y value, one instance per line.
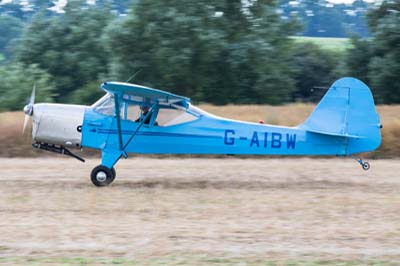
pixel 347 110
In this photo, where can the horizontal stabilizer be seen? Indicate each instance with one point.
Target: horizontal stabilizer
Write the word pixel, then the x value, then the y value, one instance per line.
pixel 333 134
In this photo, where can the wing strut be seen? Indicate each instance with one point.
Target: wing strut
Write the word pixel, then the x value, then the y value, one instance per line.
pixel 118 116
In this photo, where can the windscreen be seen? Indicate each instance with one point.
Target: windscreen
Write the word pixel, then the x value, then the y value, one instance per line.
pixel 105 105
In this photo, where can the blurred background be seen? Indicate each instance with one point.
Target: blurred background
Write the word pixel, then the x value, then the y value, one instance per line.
pixel 217 52
pixel 243 59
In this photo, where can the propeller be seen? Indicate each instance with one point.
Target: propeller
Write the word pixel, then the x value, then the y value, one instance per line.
pixel 28 109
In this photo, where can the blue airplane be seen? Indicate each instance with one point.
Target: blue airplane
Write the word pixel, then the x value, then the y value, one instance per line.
pixel 131 118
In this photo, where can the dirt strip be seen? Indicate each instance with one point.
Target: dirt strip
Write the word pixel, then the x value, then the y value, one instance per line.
pixel 256 208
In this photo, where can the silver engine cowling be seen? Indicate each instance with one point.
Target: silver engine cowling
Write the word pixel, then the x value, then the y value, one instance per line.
pixel 58 124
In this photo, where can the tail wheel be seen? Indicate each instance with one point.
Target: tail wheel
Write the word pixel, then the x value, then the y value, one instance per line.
pixel 366 166
pixel 102 176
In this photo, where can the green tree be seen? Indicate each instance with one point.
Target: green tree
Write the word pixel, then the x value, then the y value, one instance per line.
pixel 322 18
pixel 10 28
pixel 169 42
pixel 358 59
pixel 384 68
pixel 17 81
pixel 216 52
pixel 87 94
pixel 259 57
pixel 315 69
pixel 377 60
pixel 120 6
pixel 68 46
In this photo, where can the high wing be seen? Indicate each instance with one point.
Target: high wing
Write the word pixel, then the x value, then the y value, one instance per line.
pixel 144 94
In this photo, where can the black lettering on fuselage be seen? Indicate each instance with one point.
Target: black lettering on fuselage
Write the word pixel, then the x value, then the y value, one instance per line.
pixel 291 141
pixel 276 140
pixel 254 140
pixel 265 139
pixel 229 140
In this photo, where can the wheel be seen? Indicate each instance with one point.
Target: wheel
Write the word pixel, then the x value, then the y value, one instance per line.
pixel 365 166
pixel 102 176
pixel 114 174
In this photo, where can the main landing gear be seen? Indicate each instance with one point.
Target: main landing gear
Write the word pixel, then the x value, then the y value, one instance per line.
pixel 364 165
pixel 102 176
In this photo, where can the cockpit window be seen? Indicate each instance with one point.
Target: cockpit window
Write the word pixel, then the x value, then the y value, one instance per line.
pixel 131 111
pixel 105 105
pixel 170 117
pixel 166 115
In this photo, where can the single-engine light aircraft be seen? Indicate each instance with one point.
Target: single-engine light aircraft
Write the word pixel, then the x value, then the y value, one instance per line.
pixel 131 118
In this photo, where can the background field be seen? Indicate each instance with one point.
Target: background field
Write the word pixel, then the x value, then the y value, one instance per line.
pixel 200 212
pixel 333 44
pixel 12 143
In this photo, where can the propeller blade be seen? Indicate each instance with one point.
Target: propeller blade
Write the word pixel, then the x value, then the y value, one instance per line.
pixel 32 99
pixel 25 123
pixel 28 109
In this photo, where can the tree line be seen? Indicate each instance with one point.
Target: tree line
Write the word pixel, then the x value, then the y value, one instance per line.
pixel 322 18
pixel 229 51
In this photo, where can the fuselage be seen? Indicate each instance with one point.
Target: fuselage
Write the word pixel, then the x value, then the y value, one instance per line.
pixel 207 134
pixel 80 126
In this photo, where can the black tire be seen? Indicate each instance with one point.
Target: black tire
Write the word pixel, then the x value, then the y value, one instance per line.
pixel 101 176
pixel 366 166
pixel 114 174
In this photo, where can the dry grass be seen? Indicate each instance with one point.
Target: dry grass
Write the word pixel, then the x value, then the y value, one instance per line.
pixel 200 212
pixel 12 143
pixel 288 115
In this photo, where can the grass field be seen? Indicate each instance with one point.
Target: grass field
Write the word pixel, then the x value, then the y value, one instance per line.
pixel 188 260
pixel 13 144
pixel 185 211
pixel 333 44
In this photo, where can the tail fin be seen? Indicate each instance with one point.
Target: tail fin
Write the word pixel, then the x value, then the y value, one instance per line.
pixel 347 110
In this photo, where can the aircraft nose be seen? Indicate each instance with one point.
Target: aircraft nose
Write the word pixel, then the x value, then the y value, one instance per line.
pixel 28 109
pixel 58 124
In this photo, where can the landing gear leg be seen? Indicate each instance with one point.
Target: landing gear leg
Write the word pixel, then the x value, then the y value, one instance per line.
pixel 364 165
